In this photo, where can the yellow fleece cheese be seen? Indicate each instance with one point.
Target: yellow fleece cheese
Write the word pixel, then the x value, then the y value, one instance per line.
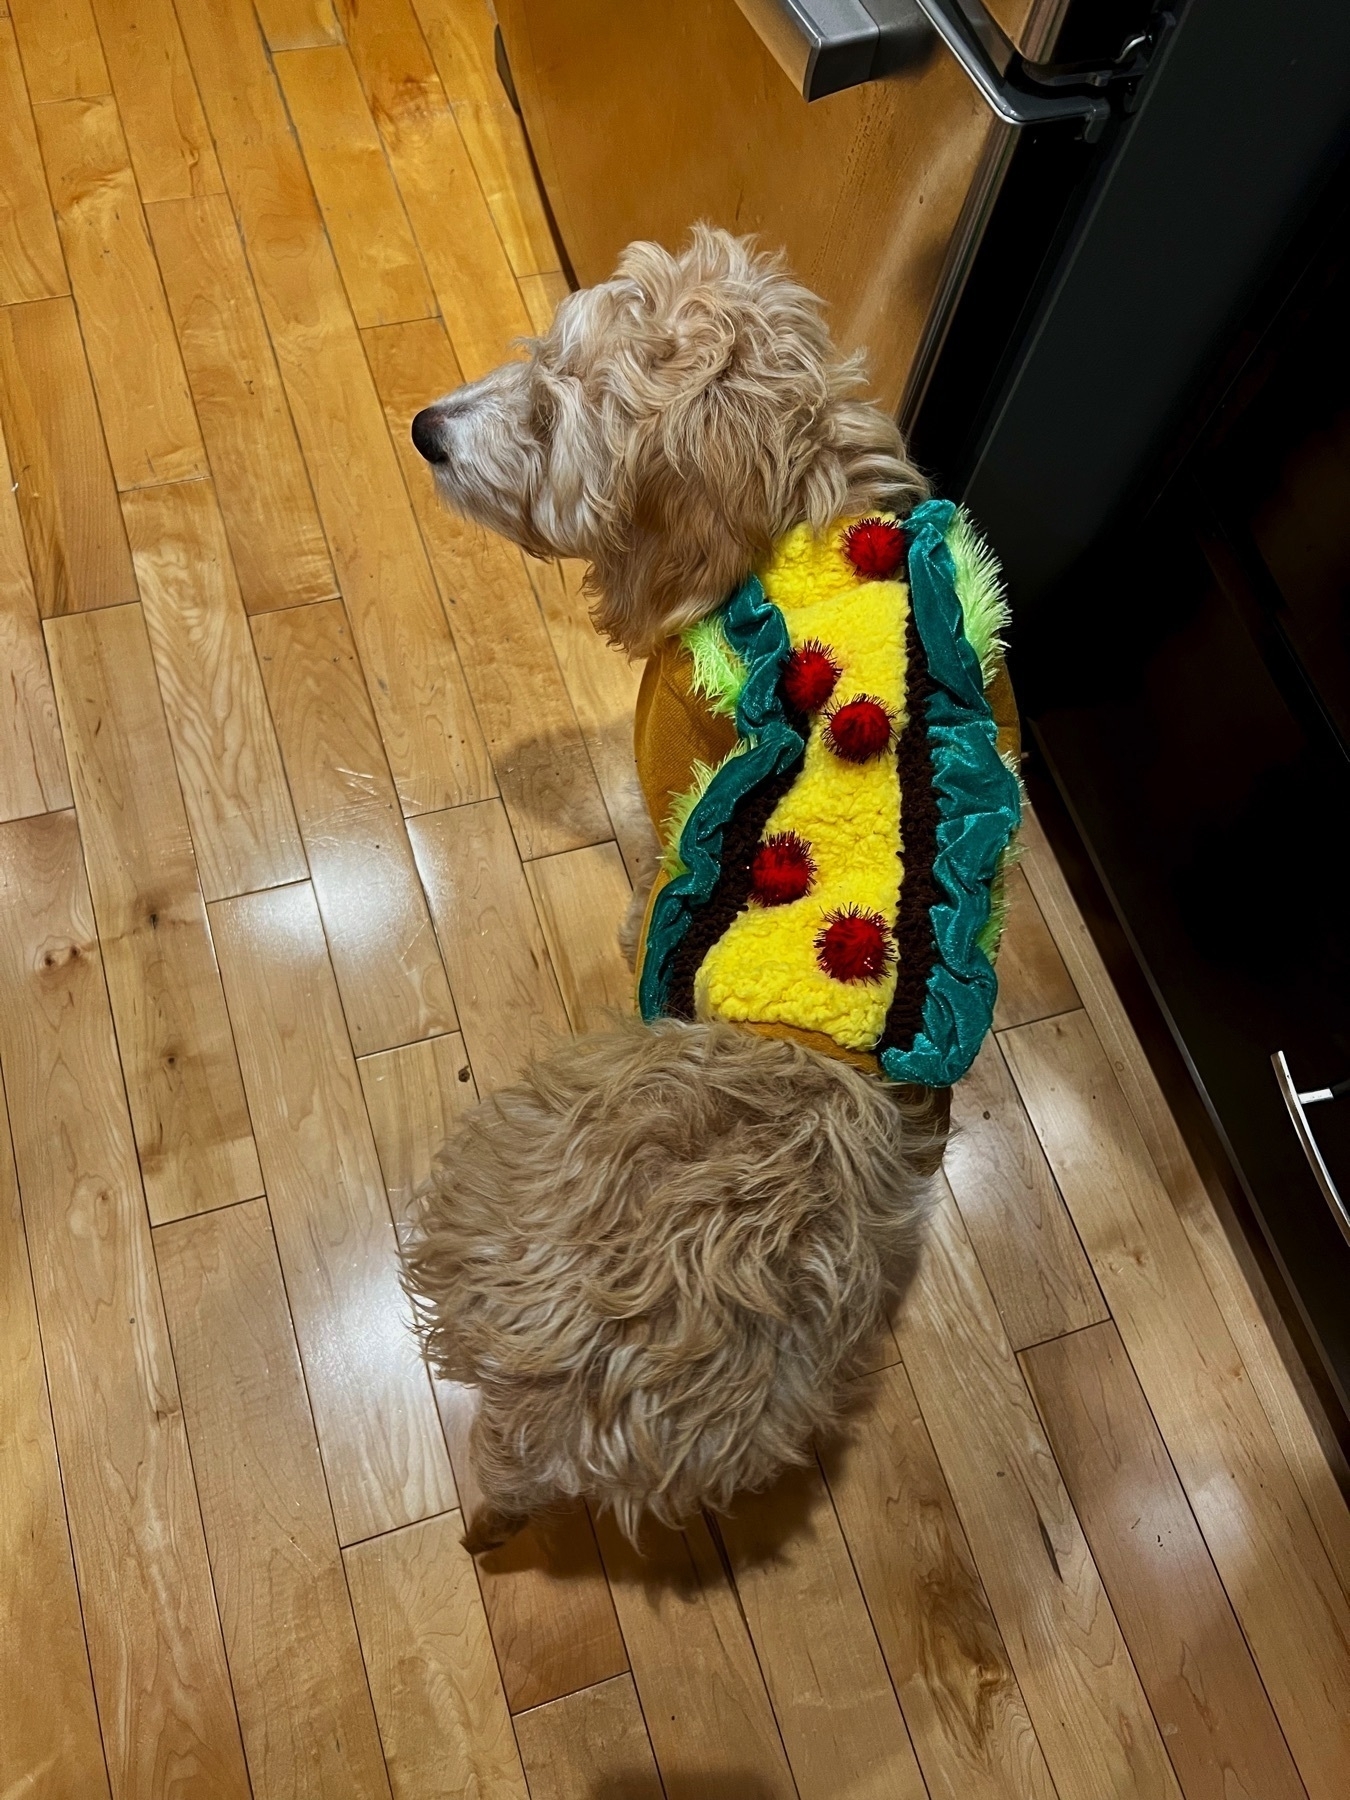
pixel 764 968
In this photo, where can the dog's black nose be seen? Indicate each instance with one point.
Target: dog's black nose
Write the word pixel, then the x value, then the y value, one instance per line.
pixel 425 436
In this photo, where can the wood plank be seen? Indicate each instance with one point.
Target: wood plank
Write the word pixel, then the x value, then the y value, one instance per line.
pixel 384 951
pixel 505 991
pixel 187 1101
pixel 165 1706
pixel 469 270
pixel 581 898
pixel 603 686
pixel 1315 1458
pixel 538 752
pixel 265 497
pixel 309 1728
pixel 161 111
pixel 143 395
pixel 547 1600
pixel 33 774
pixel 541 294
pixel 67 500
pixel 460 38
pixel 296 24
pixel 417 689
pixel 378 1432
pixel 31 265
pixel 1080 1687
pixel 62 57
pixel 711 1724
pixel 370 233
pixel 960 1698
pixel 413 1096
pixel 437 1692
pixel 244 834
pixel 1032 980
pixel 496 146
pixel 589 1743
pixel 50 1743
pixel 1196 1669
pixel 1025 1239
pixel 1294 1612
pixel 832 1697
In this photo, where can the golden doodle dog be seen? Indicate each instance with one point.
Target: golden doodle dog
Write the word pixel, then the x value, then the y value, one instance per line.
pixel 658 1256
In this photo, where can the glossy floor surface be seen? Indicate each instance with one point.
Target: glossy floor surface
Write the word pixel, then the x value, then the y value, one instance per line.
pixel 316 814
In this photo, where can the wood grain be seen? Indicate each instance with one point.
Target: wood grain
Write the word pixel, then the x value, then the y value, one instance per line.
pixel 461 42
pixel 370 233
pixel 1025 1240
pixel 31 266
pixel 61 54
pixel 309 1729
pixel 384 951
pixel 437 1692
pixel 1294 1612
pixel 469 270
pixel 831 1695
pixel 33 774
pixel 268 506
pixel 552 1619
pixel 505 992
pixel 171 149
pixel 587 1744
pixel 381 1442
pixel 581 898
pixel 50 1742
pixel 244 834
pixel 712 1727
pixel 165 1706
pixel 1080 1687
pixel 1221 1734
pixel 67 500
pixel 416 685
pixel 960 1698
pixel 538 752
pixel 496 146
pixel 541 294
pixel 603 685
pixel 413 1096
pixel 296 24
pixel 1032 980
pixel 143 395
pixel 1314 1457
pixel 187 1101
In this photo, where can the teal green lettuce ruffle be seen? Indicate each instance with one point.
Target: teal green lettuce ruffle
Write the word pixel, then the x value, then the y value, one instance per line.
pixel 757 632
pixel 979 808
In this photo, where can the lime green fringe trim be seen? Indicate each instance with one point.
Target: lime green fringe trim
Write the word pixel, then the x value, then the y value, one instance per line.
pixel 979 588
pixel 719 674
pixel 672 863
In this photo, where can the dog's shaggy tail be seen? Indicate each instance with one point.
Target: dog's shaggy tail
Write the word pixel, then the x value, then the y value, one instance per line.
pixel 658 1256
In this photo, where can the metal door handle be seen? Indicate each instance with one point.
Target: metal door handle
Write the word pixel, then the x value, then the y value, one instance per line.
pixel 828 45
pixel 1296 1103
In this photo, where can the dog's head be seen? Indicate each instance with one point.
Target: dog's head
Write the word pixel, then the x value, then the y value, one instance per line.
pixel 672 423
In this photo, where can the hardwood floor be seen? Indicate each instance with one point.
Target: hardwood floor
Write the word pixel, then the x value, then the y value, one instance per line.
pixel 317 814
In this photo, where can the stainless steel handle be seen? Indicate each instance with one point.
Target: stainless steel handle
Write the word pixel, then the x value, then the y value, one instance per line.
pixel 1296 1102
pixel 828 45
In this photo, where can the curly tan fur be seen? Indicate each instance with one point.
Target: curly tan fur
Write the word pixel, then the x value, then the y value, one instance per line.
pixel 672 423
pixel 657 1258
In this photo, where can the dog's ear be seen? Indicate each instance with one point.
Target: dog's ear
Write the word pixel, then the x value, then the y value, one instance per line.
pixel 737 422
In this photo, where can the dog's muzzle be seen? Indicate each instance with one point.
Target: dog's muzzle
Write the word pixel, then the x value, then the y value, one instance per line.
pixel 426 437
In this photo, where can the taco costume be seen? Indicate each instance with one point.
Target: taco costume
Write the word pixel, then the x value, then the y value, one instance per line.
pixel 831 757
